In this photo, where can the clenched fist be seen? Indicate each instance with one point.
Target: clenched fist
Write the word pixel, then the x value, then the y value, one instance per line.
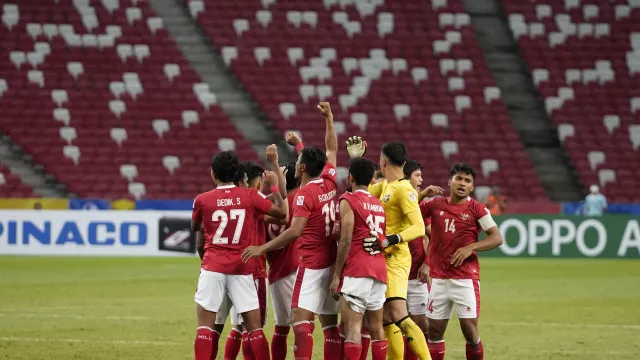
pixel 325 109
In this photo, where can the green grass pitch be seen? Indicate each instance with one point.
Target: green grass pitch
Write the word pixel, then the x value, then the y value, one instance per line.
pixel 142 308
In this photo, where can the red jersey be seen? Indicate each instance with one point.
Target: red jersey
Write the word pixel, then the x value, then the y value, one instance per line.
pixel 453 227
pixel 416 248
pixel 283 261
pixel 368 215
pixel 316 202
pixel 229 218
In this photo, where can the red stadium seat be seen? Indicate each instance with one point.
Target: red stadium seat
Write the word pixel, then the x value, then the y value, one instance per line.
pixel 585 60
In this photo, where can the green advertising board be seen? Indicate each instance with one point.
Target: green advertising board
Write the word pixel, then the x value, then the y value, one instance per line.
pixel 568 236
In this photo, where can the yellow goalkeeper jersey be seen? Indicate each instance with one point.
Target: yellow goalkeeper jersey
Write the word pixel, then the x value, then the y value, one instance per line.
pixel 400 202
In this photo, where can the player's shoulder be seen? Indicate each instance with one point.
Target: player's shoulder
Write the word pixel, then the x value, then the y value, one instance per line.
pixel 480 208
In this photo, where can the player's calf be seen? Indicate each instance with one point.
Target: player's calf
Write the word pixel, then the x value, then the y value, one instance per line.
pixel 203 345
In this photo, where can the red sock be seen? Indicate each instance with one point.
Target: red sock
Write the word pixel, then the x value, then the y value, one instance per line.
pixel 303 344
pixel 408 353
pixel 436 349
pixel 279 343
pixel 232 346
pixel 247 353
pixel 214 349
pixel 475 352
pixel 332 343
pixel 379 349
pixel 342 337
pixel 259 345
pixel 352 351
pixel 366 340
pixel 203 343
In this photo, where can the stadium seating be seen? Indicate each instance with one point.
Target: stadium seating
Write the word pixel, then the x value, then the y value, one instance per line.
pixel 405 70
pixel 98 92
pixel 585 59
pixel 12 186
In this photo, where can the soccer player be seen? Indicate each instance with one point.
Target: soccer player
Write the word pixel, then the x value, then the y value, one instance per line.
pixel 404 224
pixel 454 268
pixel 227 216
pixel 365 276
pixel 239 337
pixel 312 224
pixel 283 264
pixel 418 291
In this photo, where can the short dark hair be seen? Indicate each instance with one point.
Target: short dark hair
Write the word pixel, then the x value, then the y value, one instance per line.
pixel 290 178
pixel 225 166
pixel 410 167
pixel 314 160
pixel 464 169
pixel 242 172
pixel 254 171
pixel 362 170
pixel 396 152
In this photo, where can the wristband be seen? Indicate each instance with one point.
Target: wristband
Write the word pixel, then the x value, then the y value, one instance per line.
pixel 274 189
pixel 392 239
pixel 299 146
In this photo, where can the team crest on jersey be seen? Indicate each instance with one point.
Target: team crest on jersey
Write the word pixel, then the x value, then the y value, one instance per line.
pixel 441 213
pixel 300 200
pixel 412 196
pixel 464 217
pixel 332 172
pixel 386 197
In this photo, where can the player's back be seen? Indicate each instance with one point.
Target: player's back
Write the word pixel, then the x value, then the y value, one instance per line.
pixel 229 216
pixel 368 216
pixel 453 226
pixel 283 261
pixel 316 201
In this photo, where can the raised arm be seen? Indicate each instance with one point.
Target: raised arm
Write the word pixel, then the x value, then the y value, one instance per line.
pixel 279 208
pixel 272 159
pixel 330 139
pixel 344 245
pixel 294 140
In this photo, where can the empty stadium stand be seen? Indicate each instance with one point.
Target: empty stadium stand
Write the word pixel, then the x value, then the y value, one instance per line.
pixel 99 94
pixel 584 58
pixel 406 70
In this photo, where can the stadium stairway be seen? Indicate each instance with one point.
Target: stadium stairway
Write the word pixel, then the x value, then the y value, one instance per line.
pixel 237 103
pixel 35 180
pixel 523 102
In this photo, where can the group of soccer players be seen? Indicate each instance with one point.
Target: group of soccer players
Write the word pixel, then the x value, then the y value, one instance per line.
pixel 366 255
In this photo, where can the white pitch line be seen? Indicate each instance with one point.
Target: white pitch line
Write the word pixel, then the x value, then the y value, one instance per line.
pixel 78 317
pixel 125 342
pixel 567 325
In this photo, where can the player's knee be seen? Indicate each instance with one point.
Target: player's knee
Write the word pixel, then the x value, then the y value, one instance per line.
pixel 376 331
pixel 329 320
pixel 396 310
pixel 421 321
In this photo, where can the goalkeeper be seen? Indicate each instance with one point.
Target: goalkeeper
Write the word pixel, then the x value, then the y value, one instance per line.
pixel 404 224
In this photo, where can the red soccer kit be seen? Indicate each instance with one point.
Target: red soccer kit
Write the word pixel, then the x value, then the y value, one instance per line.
pixel 316 202
pixel 416 248
pixel 453 227
pixel 368 216
pixel 229 218
pixel 283 261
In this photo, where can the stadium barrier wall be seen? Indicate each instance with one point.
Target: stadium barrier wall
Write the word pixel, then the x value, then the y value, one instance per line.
pixel 106 233
pixel 614 236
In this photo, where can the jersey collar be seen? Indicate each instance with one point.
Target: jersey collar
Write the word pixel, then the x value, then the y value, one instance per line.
pixel 316 181
pixel 363 191
pixel 226 187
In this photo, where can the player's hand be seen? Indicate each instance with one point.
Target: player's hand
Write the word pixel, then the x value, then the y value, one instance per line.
pixel 356 147
pixel 251 252
pixel 431 191
pixel 333 287
pixel 372 244
pixel 325 110
pixel 272 155
pixel 292 138
pixel 423 274
pixel 460 255
pixel 270 178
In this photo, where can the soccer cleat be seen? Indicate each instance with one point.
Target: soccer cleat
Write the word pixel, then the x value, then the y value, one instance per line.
pixel 356 147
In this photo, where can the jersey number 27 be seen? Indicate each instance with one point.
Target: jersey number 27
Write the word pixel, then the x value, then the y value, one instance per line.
pixel 222 217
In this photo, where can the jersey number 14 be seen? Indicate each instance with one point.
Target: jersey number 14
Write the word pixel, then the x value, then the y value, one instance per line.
pixel 450 225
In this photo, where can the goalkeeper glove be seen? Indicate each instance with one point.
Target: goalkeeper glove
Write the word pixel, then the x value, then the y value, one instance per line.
pixel 373 245
pixel 356 147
